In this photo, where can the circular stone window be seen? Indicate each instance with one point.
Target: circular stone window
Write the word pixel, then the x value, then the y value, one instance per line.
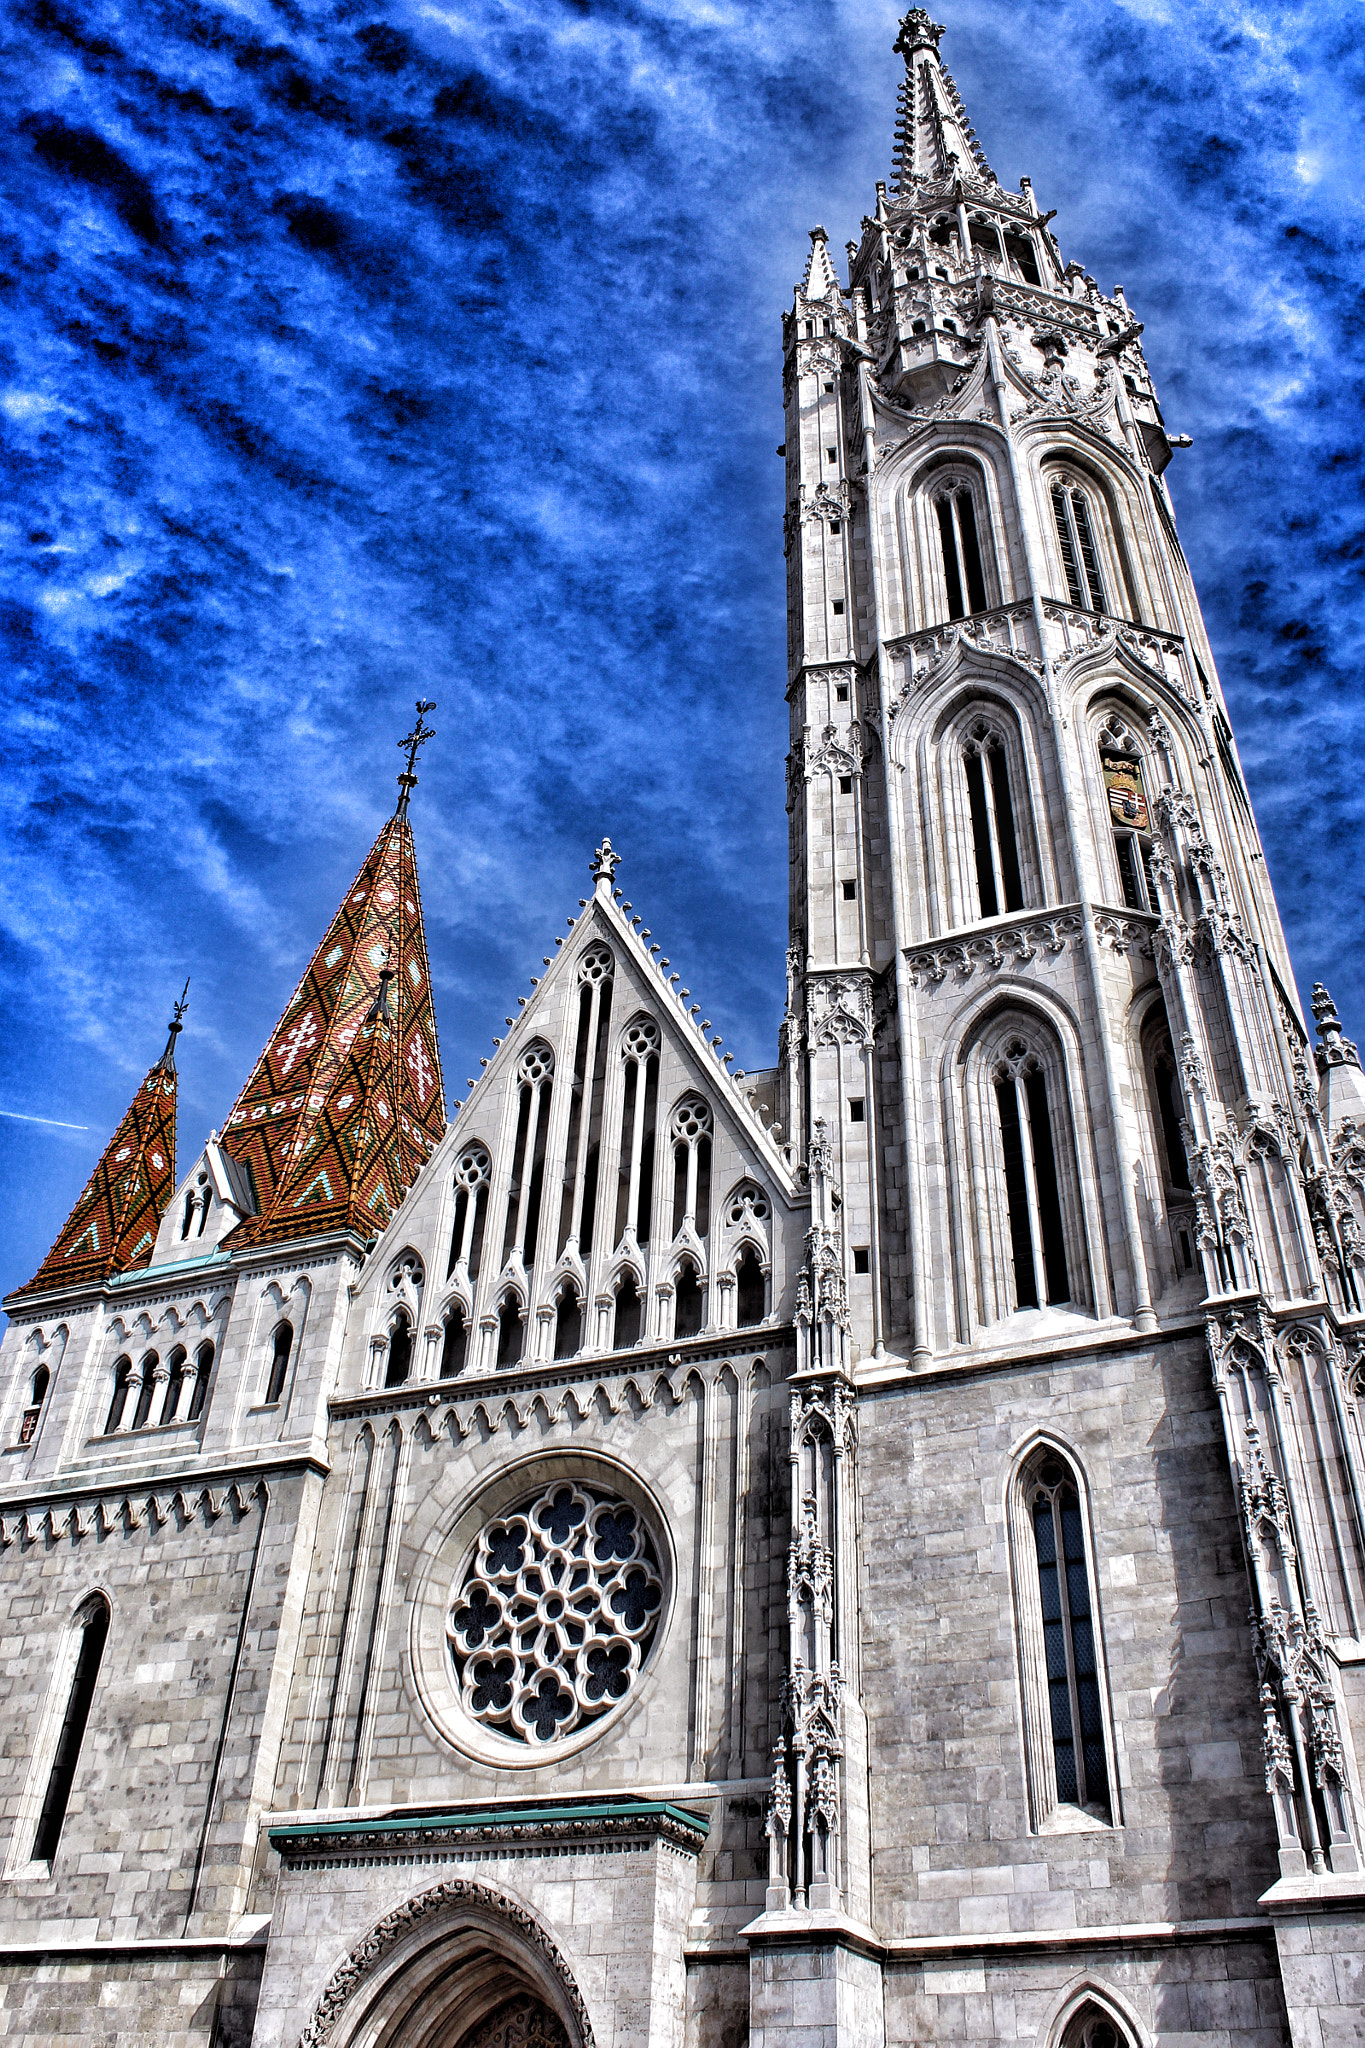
pixel 555 1615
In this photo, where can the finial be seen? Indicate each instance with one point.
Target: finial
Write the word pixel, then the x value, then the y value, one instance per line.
pixel 379 1008
pixel 1336 1049
pixel 414 742
pixel 167 1059
pixel 818 235
pixel 604 866
pixel 917 32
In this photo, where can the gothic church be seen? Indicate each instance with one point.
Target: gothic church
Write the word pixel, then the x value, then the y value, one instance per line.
pixel 866 1553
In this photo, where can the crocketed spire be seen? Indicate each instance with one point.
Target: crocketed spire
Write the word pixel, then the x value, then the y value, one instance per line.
pixel 113 1226
pixel 934 138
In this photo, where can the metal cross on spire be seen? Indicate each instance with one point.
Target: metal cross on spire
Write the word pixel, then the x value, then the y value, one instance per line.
pixel 414 742
pixel 176 1027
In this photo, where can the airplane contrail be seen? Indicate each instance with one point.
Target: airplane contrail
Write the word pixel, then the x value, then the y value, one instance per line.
pixel 55 1121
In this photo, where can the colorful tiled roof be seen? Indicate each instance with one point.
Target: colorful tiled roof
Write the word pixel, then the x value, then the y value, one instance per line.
pixel 346 1103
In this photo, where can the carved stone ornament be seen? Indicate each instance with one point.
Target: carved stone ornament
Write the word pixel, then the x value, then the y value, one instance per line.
pixel 839 1010
pixel 368 1955
pixel 1335 1050
pixel 1012 946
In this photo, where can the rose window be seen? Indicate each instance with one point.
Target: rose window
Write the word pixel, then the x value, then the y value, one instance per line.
pixel 556 1614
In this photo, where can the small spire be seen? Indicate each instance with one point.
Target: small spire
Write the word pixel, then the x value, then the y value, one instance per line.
pixel 167 1059
pixel 414 742
pixel 820 274
pixel 917 32
pixel 1336 1050
pixel 934 137
pixel 604 866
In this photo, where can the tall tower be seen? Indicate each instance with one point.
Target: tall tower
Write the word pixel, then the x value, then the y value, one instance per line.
pixel 1094 1213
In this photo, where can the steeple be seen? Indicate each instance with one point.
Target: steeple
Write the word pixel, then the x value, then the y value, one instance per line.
pixel 114 1224
pixel 934 138
pixel 345 1103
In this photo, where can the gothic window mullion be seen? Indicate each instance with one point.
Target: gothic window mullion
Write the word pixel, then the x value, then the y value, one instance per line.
pixel 1020 1203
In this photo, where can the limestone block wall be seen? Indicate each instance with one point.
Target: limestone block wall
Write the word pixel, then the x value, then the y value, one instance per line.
pixel 197 1998
pixel 956 1851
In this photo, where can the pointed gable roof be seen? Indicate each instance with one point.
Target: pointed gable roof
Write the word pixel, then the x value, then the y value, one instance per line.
pixel 820 274
pixel 345 1104
pixel 934 138
pixel 113 1226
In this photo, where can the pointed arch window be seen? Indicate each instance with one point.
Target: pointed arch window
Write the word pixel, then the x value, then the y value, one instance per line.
pixel 176 1367
pixel 639 1118
pixel 689 1301
pixel 955 510
pixel 995 842
pixel 1093 2027
pixel 535 1071
pixel 628 1314
pixel 1068 1738
pixel 511 1330
pixel 400 1350
pixel 123 1387
pixel 199 1392
pixel 587 1102
pixel 454 1341
pixel 1125 787
pixel 281 1345
pixel 1074 520
pixel 751 1289
pixel 691 1128
pixel 93 1632
pixel 146 1392
pixel 473 1174
pixel 1033 1195
pixel 568 1322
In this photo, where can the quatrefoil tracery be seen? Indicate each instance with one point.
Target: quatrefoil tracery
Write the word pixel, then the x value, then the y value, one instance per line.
pixel 556 1614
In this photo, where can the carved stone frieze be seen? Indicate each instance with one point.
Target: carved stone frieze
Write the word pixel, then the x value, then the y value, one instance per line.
pixel 1008 946
pixel 839 1010
pixel 1124 934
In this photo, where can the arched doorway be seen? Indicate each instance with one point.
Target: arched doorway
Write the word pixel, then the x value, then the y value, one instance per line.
pixel 459 1966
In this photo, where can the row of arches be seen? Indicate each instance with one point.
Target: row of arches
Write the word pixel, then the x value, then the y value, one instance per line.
pixel 151 1394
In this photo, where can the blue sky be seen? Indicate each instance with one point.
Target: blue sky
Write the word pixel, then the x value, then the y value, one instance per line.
pixel 353 352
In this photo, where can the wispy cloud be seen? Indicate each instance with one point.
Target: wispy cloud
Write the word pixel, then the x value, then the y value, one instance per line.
pixel 349 355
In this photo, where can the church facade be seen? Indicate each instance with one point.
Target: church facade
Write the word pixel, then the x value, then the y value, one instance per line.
pixel 868 1552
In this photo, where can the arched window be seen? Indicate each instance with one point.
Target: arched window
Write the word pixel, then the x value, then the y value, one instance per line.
pixel 639 1116
pixel 535 1072
pixel 1072 516
pixel 175 1382
pixel 93 1625
pixel 691 1126
pixel 472 1175
pixel 454 1342
pixel 400 1350
pixel 203 1366
pixel 37 1394
pixel 995 842
pixel 279 1362
pixel 1125 787
pixel 587 1102
pixel 123 1380
pixel 1068 1742
pixel 1166 1099
pixel 751 1288
pixel 146 1390
pixel 568 1322
pixel 962 576
pixel 688 1301
pixel 626 1323
pixel 1029 1152
pixel 1023 258
pixel 511 1330
pixel 1093 2027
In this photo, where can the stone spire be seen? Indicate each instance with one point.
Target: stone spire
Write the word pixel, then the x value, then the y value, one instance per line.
pixel 934 138
pixel 345 1104
pixel 113 1226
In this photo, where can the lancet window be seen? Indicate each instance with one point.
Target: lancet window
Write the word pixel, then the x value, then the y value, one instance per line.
pixel 281 1344
pixel 1163 1086
pixel 689 1301
pixel 473 1174
pixel 454 1341
pixel 399 1362
pixel 964 582
pixel 751 1290
pixel 1032 1192
pixel 582 1153
pixel 90 1635
pixel 1066 1729
pixel 37 1394
pixel 628 1314
pixel 639 1117
pixel 995 842
pixel 196 1212
pixel 568 1321
pixel 535 1074
pixel 1093 2027
pixel 691 1133
pixel 511 1329
pixel 1074 520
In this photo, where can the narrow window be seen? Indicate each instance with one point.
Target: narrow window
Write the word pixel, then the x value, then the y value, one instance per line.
pixel 472 1171
pixel 845 785
pixel 751 1288
pixel 687 1301
pixel 400 1351
pixel 850 891
pixel 28 1421
pixel 857 1109
pixel 833 454
pixel 1069 1641
pixel 203 1367
pixel 146 1391
pixel 568 1324
pixel 279 1363
pixel 994 837
pixel 511 1331
pixel 829 386
pixel 1032 1195
pixel 1164 1086
pixel 627 1321
pixel 862 1258
pixel 952 575
pixel 1019 249
pixel 838 607
pixel 1127 793
pixel 176 1366
pixel 94 1632
pixel 123 1374
pixel 189 1215
pixel 841 693
pixel 454 1342
pixel 961 548
pixel 1071 513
